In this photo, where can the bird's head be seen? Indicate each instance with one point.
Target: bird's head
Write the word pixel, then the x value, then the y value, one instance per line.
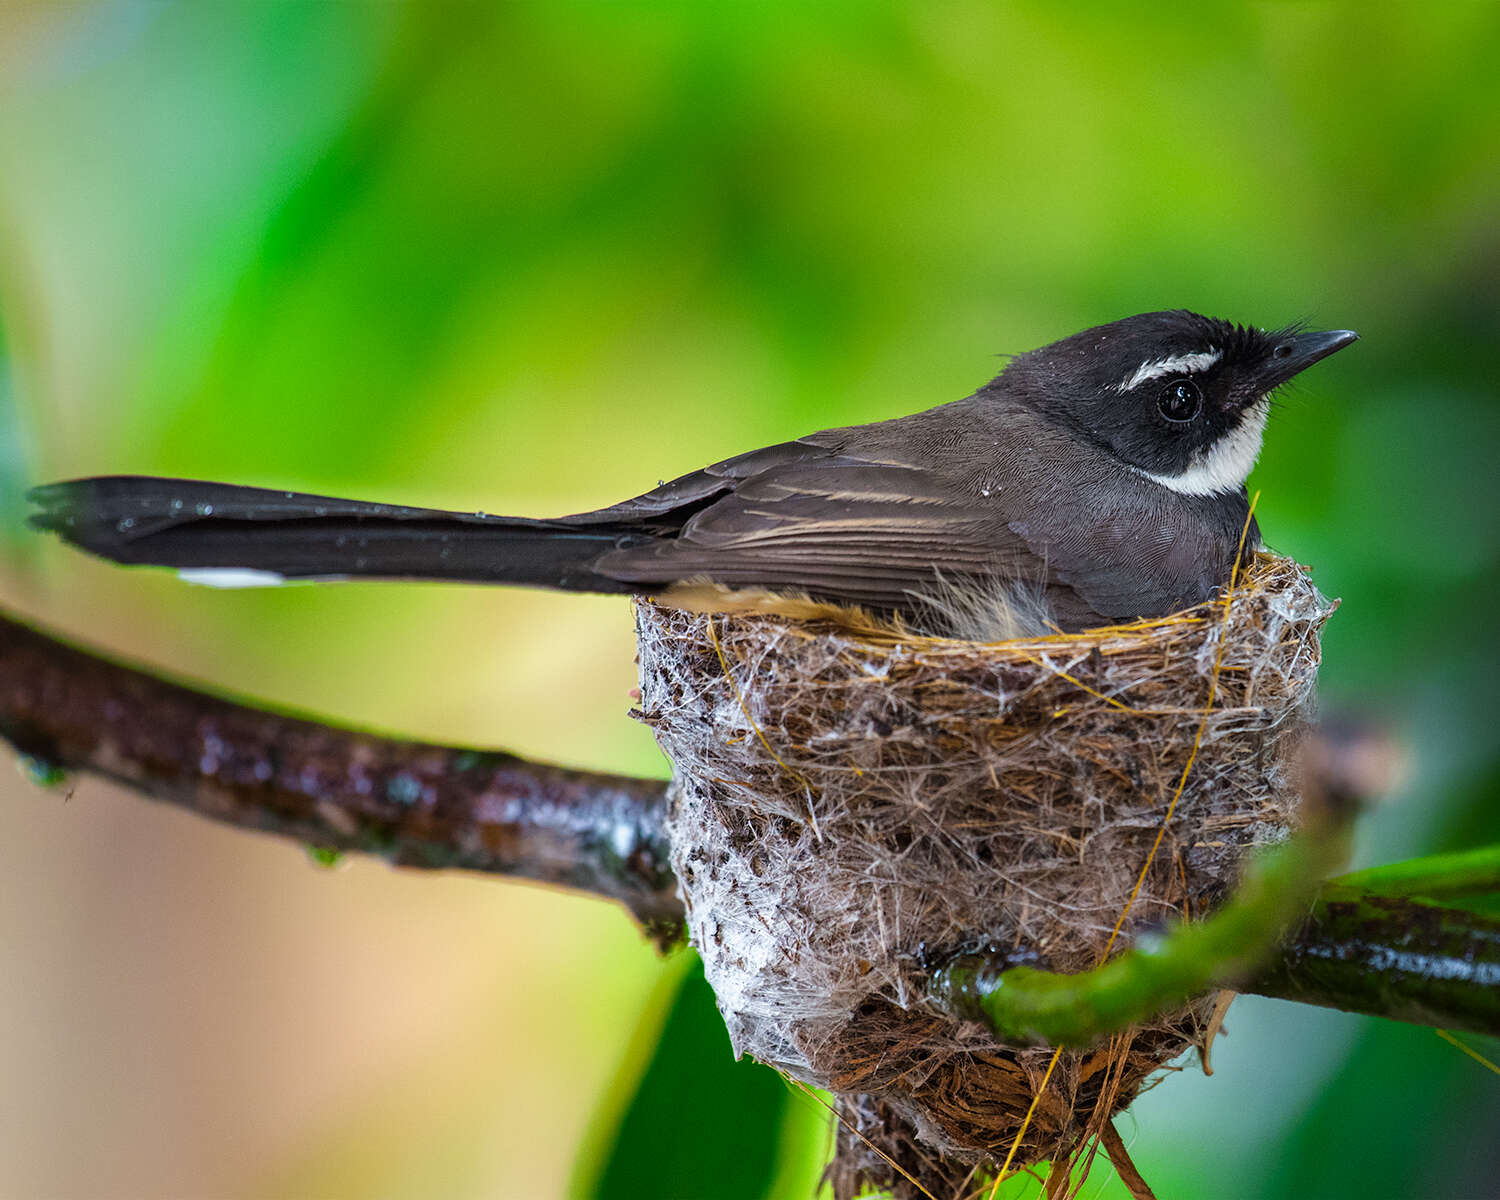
pixel 1180 397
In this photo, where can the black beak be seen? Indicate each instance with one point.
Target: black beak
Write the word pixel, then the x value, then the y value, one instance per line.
pixel 1295 353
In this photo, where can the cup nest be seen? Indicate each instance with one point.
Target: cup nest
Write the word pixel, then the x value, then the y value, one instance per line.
pixel 853 805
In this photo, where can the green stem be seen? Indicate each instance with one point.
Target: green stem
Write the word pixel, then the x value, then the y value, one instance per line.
pixel 1025 1005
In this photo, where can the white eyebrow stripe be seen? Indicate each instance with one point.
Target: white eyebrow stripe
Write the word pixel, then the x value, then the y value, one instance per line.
pixel 1178 364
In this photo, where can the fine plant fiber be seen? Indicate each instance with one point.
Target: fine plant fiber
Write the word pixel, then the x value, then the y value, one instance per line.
pixel 852 805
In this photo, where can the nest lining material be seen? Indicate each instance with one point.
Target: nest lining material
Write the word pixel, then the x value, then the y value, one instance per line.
pixel 852 806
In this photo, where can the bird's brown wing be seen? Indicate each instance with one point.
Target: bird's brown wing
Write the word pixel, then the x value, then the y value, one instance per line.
pixel 881 514
pixel 803 518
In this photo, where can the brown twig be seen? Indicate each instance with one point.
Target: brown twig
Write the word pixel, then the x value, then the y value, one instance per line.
pixel 412 803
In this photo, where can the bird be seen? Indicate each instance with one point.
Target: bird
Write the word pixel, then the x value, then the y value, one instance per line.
pixel 1095 480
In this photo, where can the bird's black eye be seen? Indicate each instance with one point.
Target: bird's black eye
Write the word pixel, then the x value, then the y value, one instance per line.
pixel 1180 401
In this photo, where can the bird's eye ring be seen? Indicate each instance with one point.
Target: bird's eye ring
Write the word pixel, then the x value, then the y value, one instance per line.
pixel 1180 401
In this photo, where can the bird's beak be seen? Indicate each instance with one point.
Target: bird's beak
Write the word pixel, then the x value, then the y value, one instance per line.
pixel 1295 353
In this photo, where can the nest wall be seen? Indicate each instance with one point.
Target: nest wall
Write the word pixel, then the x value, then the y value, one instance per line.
pixel 851 806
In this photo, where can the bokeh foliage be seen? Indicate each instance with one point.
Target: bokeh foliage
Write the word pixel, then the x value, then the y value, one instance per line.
pixel 534 257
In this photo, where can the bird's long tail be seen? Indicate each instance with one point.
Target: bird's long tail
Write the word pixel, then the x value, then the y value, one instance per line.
pixel 220 533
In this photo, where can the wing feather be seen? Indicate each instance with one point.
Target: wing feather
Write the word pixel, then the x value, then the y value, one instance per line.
pixel 877 514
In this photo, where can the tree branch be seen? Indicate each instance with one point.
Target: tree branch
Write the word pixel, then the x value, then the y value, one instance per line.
pixel 1391 956
pixel 1368 949
pixel 412 803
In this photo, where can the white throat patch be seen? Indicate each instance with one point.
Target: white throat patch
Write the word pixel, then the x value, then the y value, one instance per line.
pixel 1227 463
pixel 1178 364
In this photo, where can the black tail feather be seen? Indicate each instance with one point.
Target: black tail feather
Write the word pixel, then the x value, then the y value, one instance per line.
pixel 195 525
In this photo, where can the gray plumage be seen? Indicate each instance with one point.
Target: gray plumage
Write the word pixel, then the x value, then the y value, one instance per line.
pixel 877 515
pixel 1063 476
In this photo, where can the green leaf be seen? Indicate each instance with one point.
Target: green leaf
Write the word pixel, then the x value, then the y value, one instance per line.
pixel 699 1123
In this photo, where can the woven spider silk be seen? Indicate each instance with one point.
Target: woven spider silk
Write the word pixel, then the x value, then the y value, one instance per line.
pixel 852 806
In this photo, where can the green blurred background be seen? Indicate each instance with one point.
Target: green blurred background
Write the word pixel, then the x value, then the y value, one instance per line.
pixel 533 258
